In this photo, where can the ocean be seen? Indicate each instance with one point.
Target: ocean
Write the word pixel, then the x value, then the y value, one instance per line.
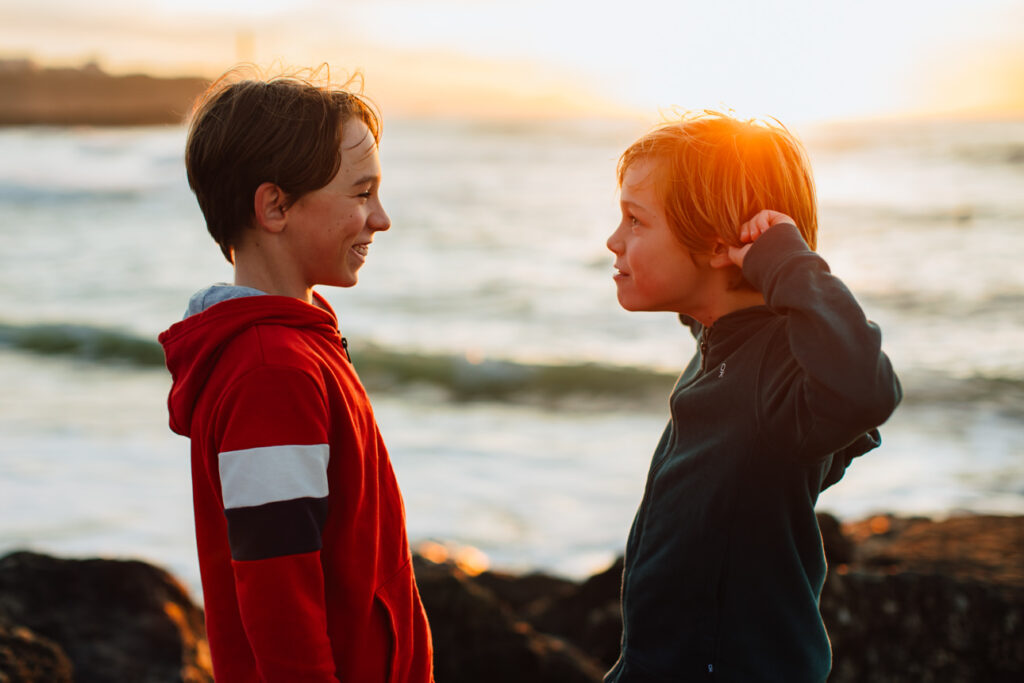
pixel 520 404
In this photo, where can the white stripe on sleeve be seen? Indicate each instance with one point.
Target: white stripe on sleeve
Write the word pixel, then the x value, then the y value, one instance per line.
pixel 270 474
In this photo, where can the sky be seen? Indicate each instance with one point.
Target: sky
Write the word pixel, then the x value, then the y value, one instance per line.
pixel 797 60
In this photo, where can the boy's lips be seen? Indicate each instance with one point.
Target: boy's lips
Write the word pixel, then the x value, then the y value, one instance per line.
pixel 363 248
pixel 619 274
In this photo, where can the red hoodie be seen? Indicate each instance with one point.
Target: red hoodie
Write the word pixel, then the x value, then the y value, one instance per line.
pixel 300 525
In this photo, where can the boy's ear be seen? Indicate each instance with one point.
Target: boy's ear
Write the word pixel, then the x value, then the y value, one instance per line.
pixel 720 255
pixel 269 204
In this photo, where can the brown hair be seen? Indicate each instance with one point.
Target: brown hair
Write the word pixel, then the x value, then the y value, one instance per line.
pixel 713 172
pixel 285 130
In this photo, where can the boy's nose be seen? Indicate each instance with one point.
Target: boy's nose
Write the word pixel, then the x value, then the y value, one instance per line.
pixel 379 220
pixel 614 243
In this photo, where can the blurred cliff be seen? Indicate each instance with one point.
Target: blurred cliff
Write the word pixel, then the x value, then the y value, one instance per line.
pixel 33 95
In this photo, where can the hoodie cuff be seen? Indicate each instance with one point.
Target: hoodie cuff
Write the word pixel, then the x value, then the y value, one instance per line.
pixel 771 251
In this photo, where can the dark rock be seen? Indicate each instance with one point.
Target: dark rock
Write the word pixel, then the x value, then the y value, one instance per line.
pixel 478 638
pixel 590 616
pixel 116 620
pixel 839 548
pixel 518 592
pixel 988 548
pixel 26 657
pixel 905 600
pixel 925 628
pixel 928 601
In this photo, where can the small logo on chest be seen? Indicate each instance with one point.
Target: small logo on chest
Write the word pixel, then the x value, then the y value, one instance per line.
pixel 721 370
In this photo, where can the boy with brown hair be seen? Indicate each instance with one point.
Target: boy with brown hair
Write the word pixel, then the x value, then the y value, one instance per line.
pixel 724 562
pixel 300 526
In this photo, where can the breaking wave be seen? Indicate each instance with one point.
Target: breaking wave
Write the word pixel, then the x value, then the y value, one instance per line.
pixel 463 378
pixel 466 378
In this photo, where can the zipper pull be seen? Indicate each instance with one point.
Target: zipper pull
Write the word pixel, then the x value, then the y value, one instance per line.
pixel 704 348
pixel 344 346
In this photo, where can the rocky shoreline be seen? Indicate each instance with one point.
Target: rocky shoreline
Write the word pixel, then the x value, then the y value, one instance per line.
pixel 906 599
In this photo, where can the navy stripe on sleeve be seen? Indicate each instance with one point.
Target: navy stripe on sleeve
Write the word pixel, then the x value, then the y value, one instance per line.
pixel 287 527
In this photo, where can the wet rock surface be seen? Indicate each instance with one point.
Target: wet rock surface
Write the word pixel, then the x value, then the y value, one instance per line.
pixel 27 656
pixel 988 548
pixel 480 637
pixel 113 620
pixel 928 601
pixel 905 600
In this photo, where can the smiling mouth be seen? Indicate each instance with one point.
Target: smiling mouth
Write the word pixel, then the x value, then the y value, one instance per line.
pixel 361 249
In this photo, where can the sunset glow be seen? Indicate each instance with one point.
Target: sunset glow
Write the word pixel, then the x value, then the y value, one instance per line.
pixel 795 59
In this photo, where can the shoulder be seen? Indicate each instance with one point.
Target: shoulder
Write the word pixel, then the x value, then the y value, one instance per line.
pixel 268 354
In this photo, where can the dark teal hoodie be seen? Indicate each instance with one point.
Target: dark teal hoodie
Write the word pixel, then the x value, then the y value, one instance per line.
pixel 724 563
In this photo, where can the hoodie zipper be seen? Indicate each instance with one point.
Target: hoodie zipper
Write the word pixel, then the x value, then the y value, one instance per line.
pixel 642 512
pixel 704 349
pixel 344 347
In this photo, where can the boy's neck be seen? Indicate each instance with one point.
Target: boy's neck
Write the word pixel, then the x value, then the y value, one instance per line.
pixel 253 271
pixel 725 302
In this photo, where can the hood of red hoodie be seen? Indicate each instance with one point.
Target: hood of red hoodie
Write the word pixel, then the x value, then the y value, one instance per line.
pixel 193 346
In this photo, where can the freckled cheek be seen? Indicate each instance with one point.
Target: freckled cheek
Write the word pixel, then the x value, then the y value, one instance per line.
pixel 638 261
pixel 647 274
pixel 353 222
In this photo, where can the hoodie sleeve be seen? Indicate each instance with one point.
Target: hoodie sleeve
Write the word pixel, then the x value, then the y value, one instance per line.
pixel 272 461
pixel 828 382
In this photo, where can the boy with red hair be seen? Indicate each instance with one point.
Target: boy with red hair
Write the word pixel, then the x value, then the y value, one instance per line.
pixel 724 562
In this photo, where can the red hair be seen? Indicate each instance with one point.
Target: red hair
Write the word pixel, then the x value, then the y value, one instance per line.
pixel 713 172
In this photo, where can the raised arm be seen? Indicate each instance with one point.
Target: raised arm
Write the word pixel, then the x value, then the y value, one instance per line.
pixel 838 384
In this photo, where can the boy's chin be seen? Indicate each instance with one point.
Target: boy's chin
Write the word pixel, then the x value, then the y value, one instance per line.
pixel 634 306
pixel 631 306
pixel 347 280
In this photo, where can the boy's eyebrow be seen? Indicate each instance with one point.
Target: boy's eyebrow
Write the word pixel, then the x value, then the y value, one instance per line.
pixel 633 204
pixel 366 179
